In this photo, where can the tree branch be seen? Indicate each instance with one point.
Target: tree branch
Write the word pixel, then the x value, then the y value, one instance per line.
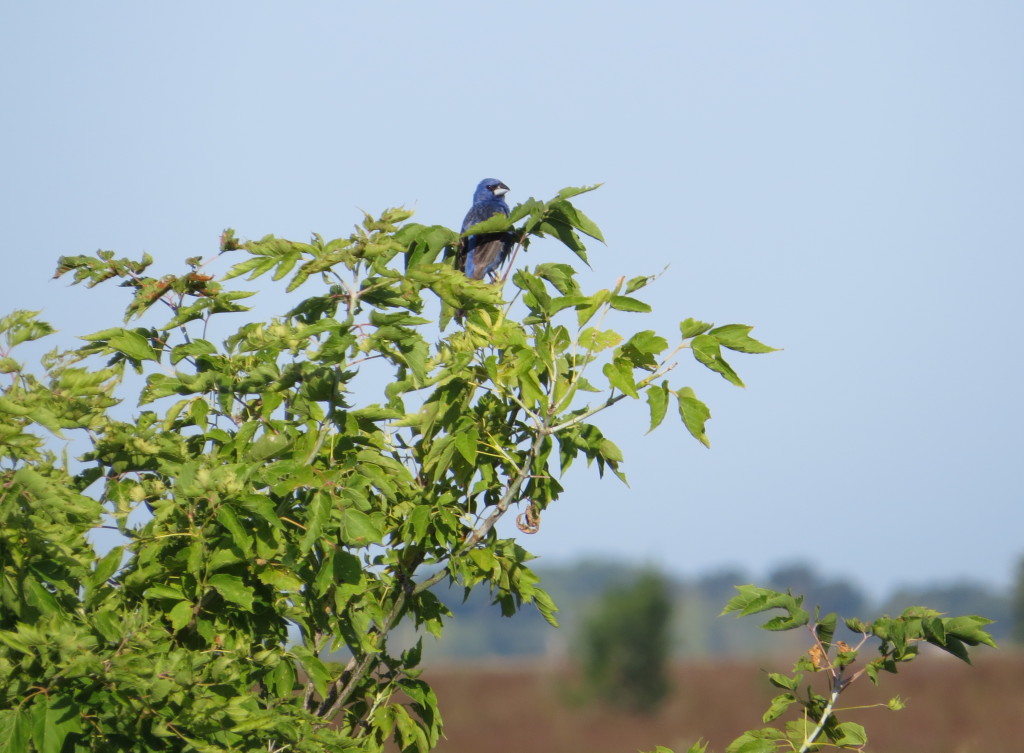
pixel 510 495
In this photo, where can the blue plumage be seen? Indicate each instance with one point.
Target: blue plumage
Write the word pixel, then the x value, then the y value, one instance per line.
pixel 482 254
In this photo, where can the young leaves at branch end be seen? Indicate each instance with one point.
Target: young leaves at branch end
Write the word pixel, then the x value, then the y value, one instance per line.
pixel 816 722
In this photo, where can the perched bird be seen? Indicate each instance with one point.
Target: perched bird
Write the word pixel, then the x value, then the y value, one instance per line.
pixel 481 255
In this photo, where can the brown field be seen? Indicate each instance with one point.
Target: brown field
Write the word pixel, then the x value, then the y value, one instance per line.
pixel 951 708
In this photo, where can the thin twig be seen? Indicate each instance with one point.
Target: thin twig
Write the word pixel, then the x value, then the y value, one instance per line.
pixel 511 261
pixel 607 403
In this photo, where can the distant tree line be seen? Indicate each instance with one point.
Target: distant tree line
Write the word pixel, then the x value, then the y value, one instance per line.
pixel 697 630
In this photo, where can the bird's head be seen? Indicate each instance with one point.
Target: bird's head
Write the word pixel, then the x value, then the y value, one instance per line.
pixel 489 188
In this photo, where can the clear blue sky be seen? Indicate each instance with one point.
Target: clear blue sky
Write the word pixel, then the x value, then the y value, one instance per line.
pixel 847 177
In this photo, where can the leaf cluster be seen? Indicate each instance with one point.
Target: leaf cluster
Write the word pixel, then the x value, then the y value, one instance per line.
pixel 898 640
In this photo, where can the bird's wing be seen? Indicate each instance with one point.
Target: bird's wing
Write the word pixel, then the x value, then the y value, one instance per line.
pixel 485 253
pixel 482 253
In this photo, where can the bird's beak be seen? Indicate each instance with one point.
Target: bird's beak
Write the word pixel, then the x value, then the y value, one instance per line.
pixel 500 190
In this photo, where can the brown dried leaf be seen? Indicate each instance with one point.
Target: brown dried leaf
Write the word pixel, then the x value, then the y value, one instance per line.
pixel 818 657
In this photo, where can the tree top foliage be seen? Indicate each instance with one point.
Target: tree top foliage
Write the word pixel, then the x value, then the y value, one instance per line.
pixel 258 496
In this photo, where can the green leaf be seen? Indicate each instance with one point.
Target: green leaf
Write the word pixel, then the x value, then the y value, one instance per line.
pixel 560 276
pixel 165 592
pixel 784 681
pixel 192 348
pixel 636 283
pixel 37 596
pixel 15 729
pixel 221 558
pixel 180 614
pixel 21 326
pixel 284 678
pixel 706 350
pixel 563 230
pixel 693 327
pixel 359 529
pixel 529 208
pixel 133 345
pixel 754 600
pixel 857 626
pixel 546 607
pixel 587 306
pixel 15 409
pixel 640 350
pixel 596 340
pixel 825 629
pixel 54 718
pixel 625 303
pixel 570 191
pixel 268 446
pixel 969 629
pixel 239 536
pixel 45 417
pixel 578 220
pixel 934 630
pixel 494 224
pixel 319 511
pixel 694 414
pixel 107 566
pixel 418 521
pixel 12 640
pixel 956 647
pixel 852 735
pixel 657 400
pixel 439 457
pixel 281 580
pixel 756 741
pixel 620 376
pixel 233 589
pixel 647 342
pixel 315 668
pixel 465 443
pixel 537 298
pixel 737 337
pixel 610 451
pixel 778 707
